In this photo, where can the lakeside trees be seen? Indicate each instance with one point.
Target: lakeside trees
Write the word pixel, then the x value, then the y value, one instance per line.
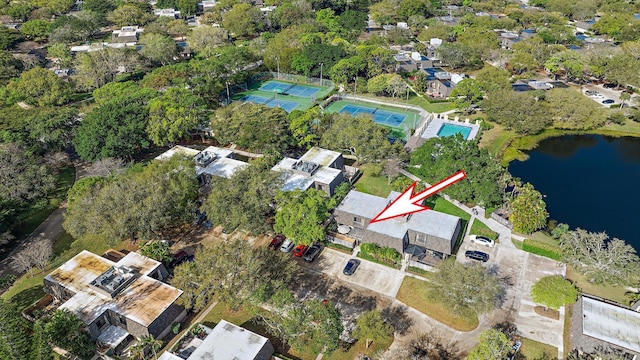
pixel 599 259
pixel 528 210
pixel 438 158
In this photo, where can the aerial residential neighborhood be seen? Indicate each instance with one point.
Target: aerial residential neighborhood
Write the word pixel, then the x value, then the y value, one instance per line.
pixel 348 180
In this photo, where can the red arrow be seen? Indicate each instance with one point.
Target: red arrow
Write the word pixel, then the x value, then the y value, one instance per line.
pixel 407 203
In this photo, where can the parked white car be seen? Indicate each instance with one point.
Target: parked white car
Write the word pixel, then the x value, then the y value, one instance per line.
pixel 482 240
pixel 287 246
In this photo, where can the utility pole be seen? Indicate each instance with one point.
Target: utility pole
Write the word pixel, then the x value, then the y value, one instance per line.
pixel 321 65
pixel 228 96
pixel 278 61
pixel 406 105
pixel 355 82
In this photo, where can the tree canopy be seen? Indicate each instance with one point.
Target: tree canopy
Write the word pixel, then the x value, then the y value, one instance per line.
pixel 360 136
pixel 493 345
pixel 174 114
pixel 252 126
pixel 300 215
pixel 528 210
pixel 117 128
pixel 600 259
pixel 244 201
pixel 235 271
pixel 136 204
pixel 553 292
pixel 440 157
pixel 468 286
pixel 40 87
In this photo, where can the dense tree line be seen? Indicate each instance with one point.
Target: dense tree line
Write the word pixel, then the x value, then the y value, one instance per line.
pixel 135 204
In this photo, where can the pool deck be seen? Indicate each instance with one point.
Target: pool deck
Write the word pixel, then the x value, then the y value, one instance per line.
pixel 436 123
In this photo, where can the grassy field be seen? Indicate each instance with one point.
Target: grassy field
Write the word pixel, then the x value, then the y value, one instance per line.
pixel 441 204
pixel 613 293
pixel 432 107
pixel 374 185
pixel 223 311
pixel 479 228
pixel 532 349
pixel 415 293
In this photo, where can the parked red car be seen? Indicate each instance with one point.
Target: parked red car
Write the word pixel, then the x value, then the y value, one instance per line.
pixel 299 250
pixel 277 241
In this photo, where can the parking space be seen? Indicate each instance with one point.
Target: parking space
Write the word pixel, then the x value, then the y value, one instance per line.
pixel 467 245
pixel 369 275
pixel 603 96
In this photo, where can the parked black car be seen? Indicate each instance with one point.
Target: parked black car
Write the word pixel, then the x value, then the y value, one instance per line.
pixel 477 255
pixel 313 252
pixel 351 267
pixel 179 258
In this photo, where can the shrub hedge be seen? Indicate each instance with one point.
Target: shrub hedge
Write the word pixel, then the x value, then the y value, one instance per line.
pixel 542 249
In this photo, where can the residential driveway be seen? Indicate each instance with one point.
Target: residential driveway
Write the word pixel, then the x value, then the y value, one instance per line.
pixel 379 278
pixel 518 270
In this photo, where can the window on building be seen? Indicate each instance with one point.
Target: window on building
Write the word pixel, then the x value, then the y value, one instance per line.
pixel 421 238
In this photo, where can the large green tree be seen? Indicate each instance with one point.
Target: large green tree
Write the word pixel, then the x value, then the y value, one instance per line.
pixel 312 324
pixel 528 210
pixel 14 338
pixel 235 271
pixel 493 345
pixel 466 286
pixel 554 291
pixel 300 215
pixel 468 92
pixel 41 87
pixel 158 48
pixel 67 331
pixel 307 61
pixel 24 176
pixel 244 201
pixel 54 127
pixel 175 114
pixel 115 129
pixel 243 20
pixel 600 259
pixel 518 111
pixel 252 126
pixel 10 67
pixel 136 204
pixel 440 157
pixel 96 68
pixel 360 136
pixel 371 326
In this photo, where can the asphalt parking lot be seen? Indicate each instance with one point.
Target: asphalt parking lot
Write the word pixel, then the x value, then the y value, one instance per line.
pixel 379 278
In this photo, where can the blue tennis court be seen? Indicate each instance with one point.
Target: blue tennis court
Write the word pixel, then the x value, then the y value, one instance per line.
pixel 287 105
pixel 289 89
pixel 384 117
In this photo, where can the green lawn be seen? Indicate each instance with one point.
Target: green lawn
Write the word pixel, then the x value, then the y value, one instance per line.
pixel 223 311
pixel 479 228
pixel 415 293
pixel 613 293
pixel 374 185
pixel 438 203
pixel 432 107
pixel 359 349
pixel 532 349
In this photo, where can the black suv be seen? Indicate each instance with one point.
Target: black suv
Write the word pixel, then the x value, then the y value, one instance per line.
pixel 312 253
pixel 477 255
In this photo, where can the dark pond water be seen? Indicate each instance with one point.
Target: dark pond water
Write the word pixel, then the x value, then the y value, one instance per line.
pixel 590 181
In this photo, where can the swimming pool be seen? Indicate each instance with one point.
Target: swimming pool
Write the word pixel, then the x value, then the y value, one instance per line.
pixel 451 129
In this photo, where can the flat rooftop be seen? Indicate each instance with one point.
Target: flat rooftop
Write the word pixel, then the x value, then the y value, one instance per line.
pixel 611 323
pixel 229 341
pixel 178 149
pixel 142 301
pixel 320 156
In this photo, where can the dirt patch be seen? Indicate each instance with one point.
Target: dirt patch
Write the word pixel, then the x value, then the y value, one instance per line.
pixel 550 313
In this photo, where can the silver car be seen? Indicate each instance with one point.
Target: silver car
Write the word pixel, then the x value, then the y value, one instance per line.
pixel 482 240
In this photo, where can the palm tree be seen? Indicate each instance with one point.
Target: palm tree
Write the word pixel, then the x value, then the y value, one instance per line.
pixel 137 350
pixel 624 97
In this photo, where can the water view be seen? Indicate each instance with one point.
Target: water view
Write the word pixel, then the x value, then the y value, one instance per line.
pixel 589 181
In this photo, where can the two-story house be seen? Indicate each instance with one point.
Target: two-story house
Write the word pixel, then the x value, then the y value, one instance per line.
pixel 426 233
pixel 318 168
pixel 119 300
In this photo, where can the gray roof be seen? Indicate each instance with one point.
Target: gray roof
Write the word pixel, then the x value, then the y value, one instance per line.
pixel 321 156
pixel 428 222
pixel 610 323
